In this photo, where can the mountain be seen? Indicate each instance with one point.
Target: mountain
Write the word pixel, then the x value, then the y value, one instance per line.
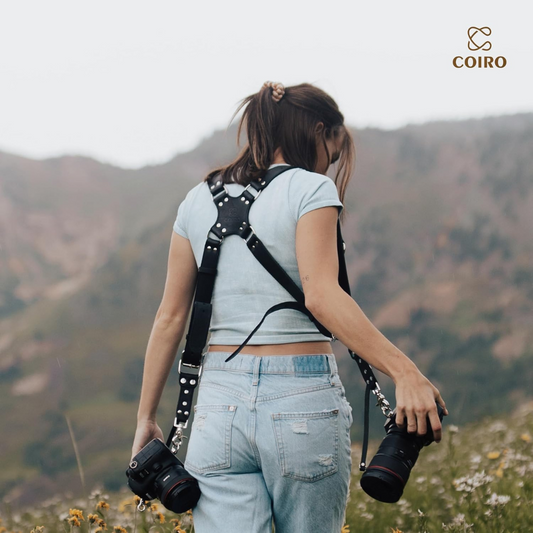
pixel 439 255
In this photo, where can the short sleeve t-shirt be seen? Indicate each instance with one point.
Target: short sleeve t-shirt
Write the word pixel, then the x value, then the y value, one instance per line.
pixel 244 290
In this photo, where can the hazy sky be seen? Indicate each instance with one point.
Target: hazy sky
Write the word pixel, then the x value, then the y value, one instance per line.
pixel 133 83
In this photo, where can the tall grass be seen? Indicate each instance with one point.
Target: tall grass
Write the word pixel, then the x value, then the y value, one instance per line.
pixel 479 479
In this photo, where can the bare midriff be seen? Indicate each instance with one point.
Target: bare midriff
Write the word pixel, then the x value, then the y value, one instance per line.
pixel 291 348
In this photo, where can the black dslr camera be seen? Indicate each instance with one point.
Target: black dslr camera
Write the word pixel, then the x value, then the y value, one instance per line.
pixel 388 472
pixel 155 472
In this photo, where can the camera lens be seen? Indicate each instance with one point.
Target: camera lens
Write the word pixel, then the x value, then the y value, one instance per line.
pixel 389 470
pixel 178 490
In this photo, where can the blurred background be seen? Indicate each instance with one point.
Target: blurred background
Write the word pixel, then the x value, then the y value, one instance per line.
pixel 111 112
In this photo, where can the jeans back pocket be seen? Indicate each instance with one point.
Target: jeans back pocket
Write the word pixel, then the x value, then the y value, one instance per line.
pixel 209 445
pixel 307 443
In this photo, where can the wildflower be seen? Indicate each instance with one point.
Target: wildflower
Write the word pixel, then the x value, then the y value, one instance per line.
pixel 499 470
pixel 119 529
pixel 37 529
pixel 496 500
pixel 469 484
pixel 102 504
pixel 136 499
pixel 345 528
pixel 526 437
pixel 73 521
pixel 92 518
pixel 77 513
pixel 153 507
pixel 394 530
pixel 101 523
pixel 493 455
pixel 457 524
pixel 3 529
pixel 124 504
pixel 175 521
pixel 161 517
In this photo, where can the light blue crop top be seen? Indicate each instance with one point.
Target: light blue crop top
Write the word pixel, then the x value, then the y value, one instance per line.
pixel 244 290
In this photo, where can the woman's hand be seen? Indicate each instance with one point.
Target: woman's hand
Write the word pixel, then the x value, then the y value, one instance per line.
pixel 147 430
pixel 415 401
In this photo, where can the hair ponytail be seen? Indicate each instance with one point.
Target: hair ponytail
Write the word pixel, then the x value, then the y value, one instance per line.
pixel 288 123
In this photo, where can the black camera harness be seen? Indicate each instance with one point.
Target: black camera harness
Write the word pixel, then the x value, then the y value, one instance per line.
pixel 233 220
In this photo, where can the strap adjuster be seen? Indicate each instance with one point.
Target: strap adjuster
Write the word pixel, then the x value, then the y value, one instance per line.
pixel 191 366
pixel 247 188
pixel 249 236
pixel 221 194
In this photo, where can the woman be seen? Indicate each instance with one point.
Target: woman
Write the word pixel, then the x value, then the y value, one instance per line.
pixel 270 438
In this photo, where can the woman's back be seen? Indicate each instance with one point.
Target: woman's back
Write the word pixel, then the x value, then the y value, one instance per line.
pixel 244 289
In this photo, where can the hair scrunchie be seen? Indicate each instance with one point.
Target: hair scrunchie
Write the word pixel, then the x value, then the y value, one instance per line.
pixel 278 90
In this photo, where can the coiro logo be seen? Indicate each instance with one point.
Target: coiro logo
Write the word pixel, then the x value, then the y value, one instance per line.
pixel 475 43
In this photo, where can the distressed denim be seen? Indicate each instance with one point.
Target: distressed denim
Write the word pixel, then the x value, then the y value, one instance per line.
pixel 270 441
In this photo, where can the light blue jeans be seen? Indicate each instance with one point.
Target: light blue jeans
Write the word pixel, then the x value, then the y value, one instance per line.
pixel 270 440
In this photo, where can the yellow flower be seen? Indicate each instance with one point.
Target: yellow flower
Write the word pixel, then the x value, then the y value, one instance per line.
pixel 153 507
pixel 493 455
pixel 394 530
pixel 161 517
pixel 136 498
pixel 124 504
pixel 101 523
pixel 3 529
pixel 93 518
pixel 345 528
pixel 73 521
pixel 175 521
pixel 499 470
pixel 119 529
pixel 102 504
pixel 37 529
pixel 526 437
pixel 77 513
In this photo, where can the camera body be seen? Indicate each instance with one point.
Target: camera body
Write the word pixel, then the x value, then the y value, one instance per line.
pixel 387 474
pixel 155 472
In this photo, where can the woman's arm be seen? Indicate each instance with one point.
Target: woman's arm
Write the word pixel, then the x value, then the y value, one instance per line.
pixel 336 310
pixel 167 333
pixel 160 355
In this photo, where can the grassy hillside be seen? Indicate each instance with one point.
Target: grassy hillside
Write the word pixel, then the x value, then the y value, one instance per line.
pixel 479 479
pixel 439 256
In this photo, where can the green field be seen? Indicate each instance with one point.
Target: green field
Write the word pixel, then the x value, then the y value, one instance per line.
pixel 478 479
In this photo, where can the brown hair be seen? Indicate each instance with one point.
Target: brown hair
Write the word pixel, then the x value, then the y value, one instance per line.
pixel 290 125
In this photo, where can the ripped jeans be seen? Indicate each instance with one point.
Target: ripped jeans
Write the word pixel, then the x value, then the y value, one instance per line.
pixel 270 441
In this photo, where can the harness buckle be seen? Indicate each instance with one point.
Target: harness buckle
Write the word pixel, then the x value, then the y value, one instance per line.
pixel 221 194
pixel 199 368
pixel 247 189
pixel 250 233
